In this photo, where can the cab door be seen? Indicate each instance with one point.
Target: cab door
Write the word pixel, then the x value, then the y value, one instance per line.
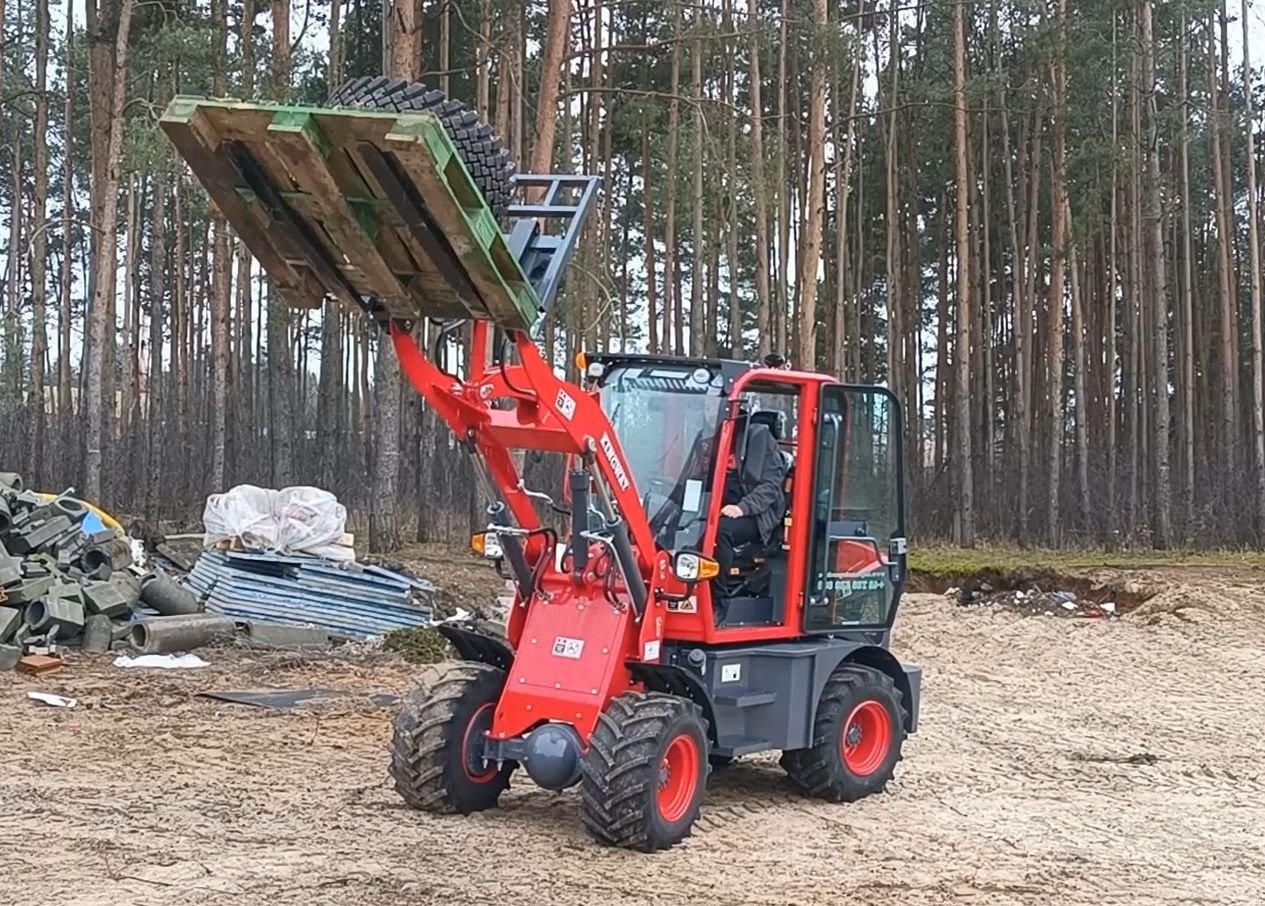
pixel 857 532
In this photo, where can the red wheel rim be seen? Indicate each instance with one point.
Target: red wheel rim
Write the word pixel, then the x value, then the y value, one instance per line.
pixel 471 746
pixel 867 735
pixel 678 778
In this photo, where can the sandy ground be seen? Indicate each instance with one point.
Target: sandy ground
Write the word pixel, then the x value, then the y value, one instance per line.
pixel 1059 761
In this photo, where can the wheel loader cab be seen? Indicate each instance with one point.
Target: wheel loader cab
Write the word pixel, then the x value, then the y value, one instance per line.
pixel 836 562
pixel 828 565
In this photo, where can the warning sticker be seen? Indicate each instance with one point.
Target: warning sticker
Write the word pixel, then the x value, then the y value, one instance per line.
pixel 566 405
pixel 565 647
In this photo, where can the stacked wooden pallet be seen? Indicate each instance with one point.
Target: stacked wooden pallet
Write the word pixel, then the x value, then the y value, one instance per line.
pixel 358 204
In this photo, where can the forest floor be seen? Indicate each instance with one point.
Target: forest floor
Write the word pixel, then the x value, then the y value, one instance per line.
pixel 1069 761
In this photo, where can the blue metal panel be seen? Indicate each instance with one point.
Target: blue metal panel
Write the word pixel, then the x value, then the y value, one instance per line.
pixel 344 599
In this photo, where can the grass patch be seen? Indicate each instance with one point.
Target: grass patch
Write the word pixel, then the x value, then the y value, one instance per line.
pixel 947 562
pixel 417 646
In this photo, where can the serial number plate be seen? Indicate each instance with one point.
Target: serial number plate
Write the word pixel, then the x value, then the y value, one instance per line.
pixel 565 647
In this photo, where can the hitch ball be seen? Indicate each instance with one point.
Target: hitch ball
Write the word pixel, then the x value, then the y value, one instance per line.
pixel 552 759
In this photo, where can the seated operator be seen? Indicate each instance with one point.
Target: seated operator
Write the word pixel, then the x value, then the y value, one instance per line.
pixel 753 502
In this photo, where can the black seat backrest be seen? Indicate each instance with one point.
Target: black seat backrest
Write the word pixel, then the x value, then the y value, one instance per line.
pixel 773 419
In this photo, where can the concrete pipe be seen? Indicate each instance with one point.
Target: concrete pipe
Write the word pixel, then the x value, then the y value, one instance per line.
pixel 63 614
pixel 97 634
pixel 168 635
pixel 115 554
pixel 168 597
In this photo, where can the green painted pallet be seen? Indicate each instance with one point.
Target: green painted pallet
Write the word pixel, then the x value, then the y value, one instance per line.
pixel 354 203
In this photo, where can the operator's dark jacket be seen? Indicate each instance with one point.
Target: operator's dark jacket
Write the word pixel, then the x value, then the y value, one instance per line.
pixel 760 480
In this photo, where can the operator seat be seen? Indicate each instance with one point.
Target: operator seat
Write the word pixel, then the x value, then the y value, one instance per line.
pixel 750 567
pixel 775 421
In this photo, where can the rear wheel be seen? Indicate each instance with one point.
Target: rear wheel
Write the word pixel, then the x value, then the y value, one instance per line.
pixel 857 737
pixel 437 745
pixel 645 771
pixel 484 155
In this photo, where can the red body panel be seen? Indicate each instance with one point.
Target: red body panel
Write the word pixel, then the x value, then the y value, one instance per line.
pixel 568 662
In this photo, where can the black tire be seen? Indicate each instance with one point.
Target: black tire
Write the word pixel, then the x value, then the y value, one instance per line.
pixel 855 696
pixel 433 760
pixel 627 801
pixel 485 157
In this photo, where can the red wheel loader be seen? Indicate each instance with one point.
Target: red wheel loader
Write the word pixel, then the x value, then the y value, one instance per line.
pixel 629 666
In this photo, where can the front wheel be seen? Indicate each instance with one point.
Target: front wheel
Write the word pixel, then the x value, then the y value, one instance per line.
pixel 857 737
pixel 645 771
pixel 437 744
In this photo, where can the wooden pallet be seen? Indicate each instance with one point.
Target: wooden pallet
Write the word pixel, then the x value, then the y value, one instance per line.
pixel 356 204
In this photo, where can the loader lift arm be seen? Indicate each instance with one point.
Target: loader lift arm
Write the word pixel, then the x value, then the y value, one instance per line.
pixel 547 413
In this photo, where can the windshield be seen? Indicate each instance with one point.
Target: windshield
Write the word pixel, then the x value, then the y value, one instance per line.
pixel 666 418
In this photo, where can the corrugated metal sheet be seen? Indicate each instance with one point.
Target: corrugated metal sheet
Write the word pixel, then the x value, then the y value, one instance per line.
pixel 350 600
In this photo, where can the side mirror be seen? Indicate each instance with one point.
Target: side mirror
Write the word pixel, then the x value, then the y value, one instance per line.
pixel 691 567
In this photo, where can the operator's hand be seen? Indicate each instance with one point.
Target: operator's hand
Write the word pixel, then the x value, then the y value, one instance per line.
pixel 732 510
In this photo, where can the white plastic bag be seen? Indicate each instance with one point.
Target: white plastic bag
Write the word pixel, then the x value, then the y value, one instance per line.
pixel 293 520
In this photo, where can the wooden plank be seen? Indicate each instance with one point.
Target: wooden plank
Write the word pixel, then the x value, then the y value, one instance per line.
pixel 188 129
pixel 426 291
pixel 447 258
pixel 299 144
pixel 430 291
pixel 454 202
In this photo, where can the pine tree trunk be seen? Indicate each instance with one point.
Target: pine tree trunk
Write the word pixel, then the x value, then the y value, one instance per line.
pixel 111 73
pixel 221 280
pixel 962 349
pixel 155 439
pixel 1081 393
pixel 809 256
pixel 894 290
pixel 672 326
pixel 246 384
pixel 556 38
pixel 1058 216
pixel 1186 417
pixel 843 175
pixel 1254 244
pixel 39 249
pixel 1163 527
pixel 780 300
pixel 1225 267
pixel 131 362
pixel 647 209
pixel 760 199
pixel 65 404
pixel 699 245
pixel 281 401
pixel 1113 358
pixel 1022 333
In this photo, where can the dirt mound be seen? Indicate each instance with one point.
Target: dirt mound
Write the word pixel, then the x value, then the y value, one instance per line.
pixel 1043 592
